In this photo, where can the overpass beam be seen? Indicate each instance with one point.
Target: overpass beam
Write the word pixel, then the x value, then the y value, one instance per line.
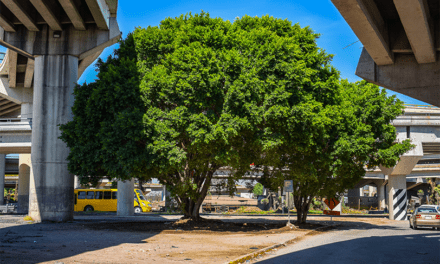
pixel 21 14
pixel 100 12
pixel 416 22
pixel 2 177
pixel 12 76
pixel 406 76
pixel 47 14
pixel 367 23
pixel 73 14
pixel 125 199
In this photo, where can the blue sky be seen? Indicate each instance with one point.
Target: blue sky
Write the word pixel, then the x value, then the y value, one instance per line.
pixel 336 36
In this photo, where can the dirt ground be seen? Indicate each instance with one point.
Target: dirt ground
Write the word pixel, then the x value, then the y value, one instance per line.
pixel 148 239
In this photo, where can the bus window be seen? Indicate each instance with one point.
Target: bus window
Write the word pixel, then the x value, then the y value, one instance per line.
pixel 90 195
pixel 114 195
pixel 76 198
pixel 81 195
pixel 107 195
pixel 98 195
pixel 141 196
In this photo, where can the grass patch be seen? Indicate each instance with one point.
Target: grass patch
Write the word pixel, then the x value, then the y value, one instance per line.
pixel 311 212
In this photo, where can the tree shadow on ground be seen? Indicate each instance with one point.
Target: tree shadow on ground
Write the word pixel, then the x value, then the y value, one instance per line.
pixel 414 248
pixel 32 243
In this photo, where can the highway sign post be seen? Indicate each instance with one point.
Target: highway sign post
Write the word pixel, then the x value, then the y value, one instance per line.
pixel 334 206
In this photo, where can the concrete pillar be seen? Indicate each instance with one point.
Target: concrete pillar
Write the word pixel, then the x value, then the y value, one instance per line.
pixel 76 182
pixel 51 192
pixel 26 110
pixel 381 196
pixel 397 200
pixel 164 192
pixel 380 187
pixel 2 177
pixel 125 198
pixel 24 172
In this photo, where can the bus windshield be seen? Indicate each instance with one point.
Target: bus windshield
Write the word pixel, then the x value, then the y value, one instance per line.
pixel 141 196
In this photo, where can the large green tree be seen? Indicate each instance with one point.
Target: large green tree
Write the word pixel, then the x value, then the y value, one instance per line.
pixel 178 101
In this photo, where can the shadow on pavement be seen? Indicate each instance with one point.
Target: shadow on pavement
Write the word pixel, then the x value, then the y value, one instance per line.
pixel 42 242
pixel 415 248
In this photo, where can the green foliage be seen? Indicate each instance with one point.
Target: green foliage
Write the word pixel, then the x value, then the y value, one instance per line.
pixel 114 185
pixel 316 202
pixel 204 84
pixel 420 191
pixel 437 189
pixel 180 100
pixel 264 201
pixel 258 189
pixel 322 132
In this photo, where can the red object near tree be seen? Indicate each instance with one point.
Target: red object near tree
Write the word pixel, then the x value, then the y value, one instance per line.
pixel 331 203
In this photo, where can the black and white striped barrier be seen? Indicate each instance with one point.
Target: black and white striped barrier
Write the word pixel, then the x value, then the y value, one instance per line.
pixel 399 204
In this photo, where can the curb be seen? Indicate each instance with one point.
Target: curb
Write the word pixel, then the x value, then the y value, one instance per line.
pixel 311 215
pixel 285 215
pixel 265 250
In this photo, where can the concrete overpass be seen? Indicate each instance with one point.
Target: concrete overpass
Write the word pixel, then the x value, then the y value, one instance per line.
pixel 401 42
pixel 15 135
pixel 49 47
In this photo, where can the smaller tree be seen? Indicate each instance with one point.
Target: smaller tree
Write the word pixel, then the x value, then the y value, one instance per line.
pixel 325 143
pixel 258 189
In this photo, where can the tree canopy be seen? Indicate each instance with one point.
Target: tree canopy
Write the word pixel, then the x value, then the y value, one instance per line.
pixel 326 147
pixel 180 100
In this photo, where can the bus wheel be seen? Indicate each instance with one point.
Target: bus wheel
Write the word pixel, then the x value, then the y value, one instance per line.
pixel 88 208
pixel 137 209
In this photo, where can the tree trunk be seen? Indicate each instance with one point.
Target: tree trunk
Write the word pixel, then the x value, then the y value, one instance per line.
pixel 302 205
pixel 141 187
pixel 191 209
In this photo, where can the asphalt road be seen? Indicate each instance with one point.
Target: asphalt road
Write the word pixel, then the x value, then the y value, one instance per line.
pixel 363 243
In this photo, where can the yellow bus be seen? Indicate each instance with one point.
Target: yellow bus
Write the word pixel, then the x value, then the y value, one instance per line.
pixel 106 200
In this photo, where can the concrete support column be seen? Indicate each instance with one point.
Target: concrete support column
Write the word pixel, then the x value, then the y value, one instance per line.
pixel 24 173
pixel 76 184
pixel 2 177
pixel 26 110
pixel 381 196
pixel 51 192
pixel 164 193
pixel 125 202
pixel 397 200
